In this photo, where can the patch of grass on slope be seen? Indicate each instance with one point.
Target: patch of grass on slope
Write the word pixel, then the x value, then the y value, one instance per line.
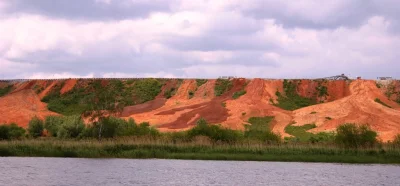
pixel 78 99
pixel 300 134
pixel 200 82
pixel 222 86
pixel 4 91
pixel 290 100
pixel 237 95
pixel 382 103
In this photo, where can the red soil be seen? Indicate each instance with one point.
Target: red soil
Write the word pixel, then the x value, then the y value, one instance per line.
pixel 21 106
pixel 359 107
pixel 47 89
pixel 68 85
pixel 346 103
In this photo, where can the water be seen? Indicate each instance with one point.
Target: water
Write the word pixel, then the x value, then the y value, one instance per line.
pixel 99 172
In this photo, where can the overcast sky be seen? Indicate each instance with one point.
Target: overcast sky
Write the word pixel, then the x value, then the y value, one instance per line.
pixel 199 38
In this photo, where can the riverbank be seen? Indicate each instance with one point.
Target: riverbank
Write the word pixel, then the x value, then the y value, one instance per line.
pixel 147 149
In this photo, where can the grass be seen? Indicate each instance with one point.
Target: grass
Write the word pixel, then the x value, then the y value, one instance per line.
pixel 291 100
pixel 237 95
pixel 4 91
pixel 200 82
pixel 382 103
pixel 144 148
pixel 77 100
pixel 222 86
pixel 301 135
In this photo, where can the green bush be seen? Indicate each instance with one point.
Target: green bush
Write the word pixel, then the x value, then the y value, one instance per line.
pixel 350 135
pixel 260 129
pixel 146 90
pixel 35 127
pixel 71 127
pixel 200 82
pixel 214 132
pixel 382 103
pixel 396 140
pixel 191 94
pixel 52 124
pixel 292 100
pixel 222 86
pixel 11 132
pixel 111 127
pixel 301 134
pixel 169 93
pixel 236 95
pixel 5 90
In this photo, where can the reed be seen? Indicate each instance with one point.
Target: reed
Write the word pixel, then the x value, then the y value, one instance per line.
pixel 164 148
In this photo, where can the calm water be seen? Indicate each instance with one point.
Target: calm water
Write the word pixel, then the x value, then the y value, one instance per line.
pixel 59 171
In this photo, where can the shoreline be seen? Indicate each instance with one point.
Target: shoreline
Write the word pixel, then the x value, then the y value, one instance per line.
pixel 193 151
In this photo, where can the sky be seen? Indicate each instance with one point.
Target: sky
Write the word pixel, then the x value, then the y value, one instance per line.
pixel 199 38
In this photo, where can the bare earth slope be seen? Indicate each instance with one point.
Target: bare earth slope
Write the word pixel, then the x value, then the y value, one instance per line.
pixel 345 103
pixel 19 107
pixel 359 107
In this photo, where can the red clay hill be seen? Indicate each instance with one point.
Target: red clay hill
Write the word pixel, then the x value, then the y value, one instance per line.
pixel 176 104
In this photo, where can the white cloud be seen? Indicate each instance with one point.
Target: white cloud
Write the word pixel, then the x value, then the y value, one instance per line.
pixel 199 38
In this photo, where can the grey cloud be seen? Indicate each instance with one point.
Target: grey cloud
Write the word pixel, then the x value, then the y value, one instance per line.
pixel 350 14
pixel 88 9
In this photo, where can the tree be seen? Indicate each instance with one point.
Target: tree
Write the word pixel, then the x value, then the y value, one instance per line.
pixel 16 132
pixel 52 123
pixel 35 127
pixel 105 101
pixel 71 127
pixel 350 135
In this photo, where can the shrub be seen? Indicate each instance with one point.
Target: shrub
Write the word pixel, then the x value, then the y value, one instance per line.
pixel 146 90
pixel 200 82
pixel 292 100
pixel 382 103
pixel 351 136
pixel 52 124
pixel 71 127
pixel 5 90
pixel 35 127
pixel 222 86
pixel 301 134
pixel 214 132
pixel 191 94
pixel 16 132
pixel 10 132
pixel 169 93
pixel 259 129
pixel 236 95
pixel 396 140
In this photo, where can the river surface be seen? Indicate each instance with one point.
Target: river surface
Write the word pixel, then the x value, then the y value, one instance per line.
pixel 99 172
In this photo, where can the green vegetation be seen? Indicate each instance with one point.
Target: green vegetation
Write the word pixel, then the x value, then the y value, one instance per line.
pixel 200 82
pixel 81 97
pixel 260 130
pixel 191 94
pixel 352 136
pixel 301 135
pixel 11 132
pixel 4 91
pixel 126 139
pixel 35 127
pixel 222 86
pixel 291 100
pixel 236 95
pixel 145 147
pixel 313 112
pixel 322 90
pixel 328 118
pixel 169 93
pixel 382 103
